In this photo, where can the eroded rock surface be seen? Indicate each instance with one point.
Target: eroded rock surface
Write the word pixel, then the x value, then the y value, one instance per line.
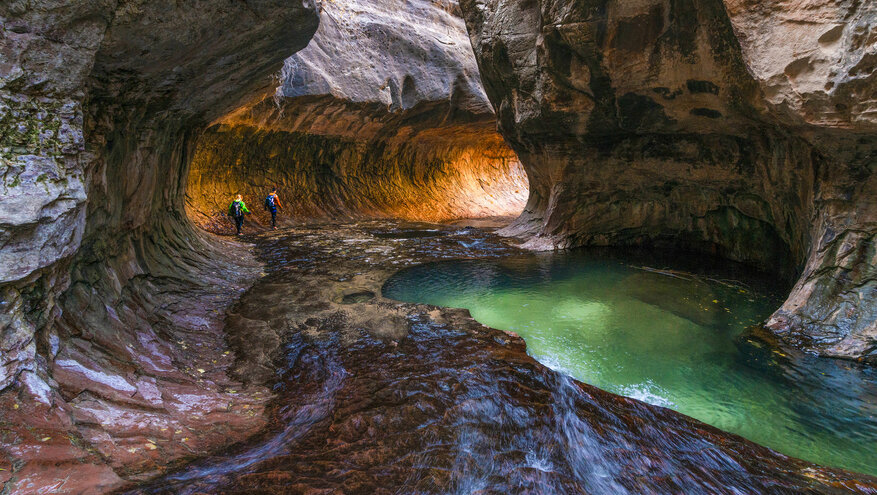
pixel 739 128
pixel 113 364
pixel 814 60
pixel 111 303
pixel 382 397
pixel 382 115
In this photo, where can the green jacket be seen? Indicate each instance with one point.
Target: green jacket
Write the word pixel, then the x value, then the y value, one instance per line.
pixel 231 208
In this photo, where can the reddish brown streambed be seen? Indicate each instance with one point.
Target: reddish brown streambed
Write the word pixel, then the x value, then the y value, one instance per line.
pixel 376 396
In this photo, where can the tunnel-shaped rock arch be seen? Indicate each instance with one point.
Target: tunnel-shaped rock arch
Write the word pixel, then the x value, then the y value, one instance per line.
pixel 364 167
pixel 110 295
pixel 102 104
pixel 382 116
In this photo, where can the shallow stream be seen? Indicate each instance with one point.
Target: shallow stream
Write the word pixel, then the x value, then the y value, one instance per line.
pixel 669 337
pixel 374 396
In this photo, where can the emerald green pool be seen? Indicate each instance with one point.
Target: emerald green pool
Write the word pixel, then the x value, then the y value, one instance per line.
pixel 655 331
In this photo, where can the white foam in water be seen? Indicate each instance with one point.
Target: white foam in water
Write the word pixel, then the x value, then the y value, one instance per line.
pixel 646 392
pixel 553 364
pixel 539 462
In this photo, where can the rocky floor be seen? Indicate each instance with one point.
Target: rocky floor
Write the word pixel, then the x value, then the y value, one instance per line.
pixel 377 396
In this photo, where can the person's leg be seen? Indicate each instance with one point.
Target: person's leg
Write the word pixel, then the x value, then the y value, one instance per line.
pixel 239 222
pixel 273 219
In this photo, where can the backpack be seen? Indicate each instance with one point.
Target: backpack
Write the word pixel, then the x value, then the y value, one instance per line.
pixel 235 209
pixel 269 202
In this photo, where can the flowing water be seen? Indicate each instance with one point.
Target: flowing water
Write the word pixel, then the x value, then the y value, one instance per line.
pixel 668 337
pixel 378 397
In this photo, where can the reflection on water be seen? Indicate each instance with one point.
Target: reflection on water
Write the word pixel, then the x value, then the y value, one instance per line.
pixel 669 338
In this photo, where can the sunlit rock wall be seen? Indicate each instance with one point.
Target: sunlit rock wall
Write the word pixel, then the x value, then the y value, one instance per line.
pixel 738 128
pixel 382 115
pixel 99 107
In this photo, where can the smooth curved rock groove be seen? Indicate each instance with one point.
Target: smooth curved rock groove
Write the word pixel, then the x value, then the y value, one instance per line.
pixel 382 115
pixel 111 301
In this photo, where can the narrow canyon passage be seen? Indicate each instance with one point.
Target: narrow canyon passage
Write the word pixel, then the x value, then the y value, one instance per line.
pixel 462 170
pixel 144 348
pixel 382 115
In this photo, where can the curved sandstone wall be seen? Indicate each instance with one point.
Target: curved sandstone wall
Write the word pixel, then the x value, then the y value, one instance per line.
pixel 382 115
pixel 741 128
pixel 646 122
pixel 100 105
pixel 459 171
pixel 113 362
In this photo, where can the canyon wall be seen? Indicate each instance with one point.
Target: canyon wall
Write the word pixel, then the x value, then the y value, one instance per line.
pixel 663 122
pixel 382 115
pixel 100 104
pixel 742 128
pixel 114 363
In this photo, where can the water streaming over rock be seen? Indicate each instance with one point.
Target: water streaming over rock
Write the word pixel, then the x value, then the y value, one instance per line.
pixel 672 338
pixel 384 397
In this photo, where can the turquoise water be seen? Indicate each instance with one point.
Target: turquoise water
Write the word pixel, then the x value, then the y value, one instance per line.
pixel 657 332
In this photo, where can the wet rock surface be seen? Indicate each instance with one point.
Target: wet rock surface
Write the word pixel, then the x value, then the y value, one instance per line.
pixel 743 129
pixel 131 386
pixel 376 396
pixel 111 303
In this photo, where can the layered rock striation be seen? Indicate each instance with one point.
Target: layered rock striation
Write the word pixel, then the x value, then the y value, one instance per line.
pixel 382 115
pixel 110 302
pixel 742 128
pixel 647 122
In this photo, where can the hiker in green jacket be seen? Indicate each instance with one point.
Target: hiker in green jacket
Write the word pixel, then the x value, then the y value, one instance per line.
pixel 236 209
